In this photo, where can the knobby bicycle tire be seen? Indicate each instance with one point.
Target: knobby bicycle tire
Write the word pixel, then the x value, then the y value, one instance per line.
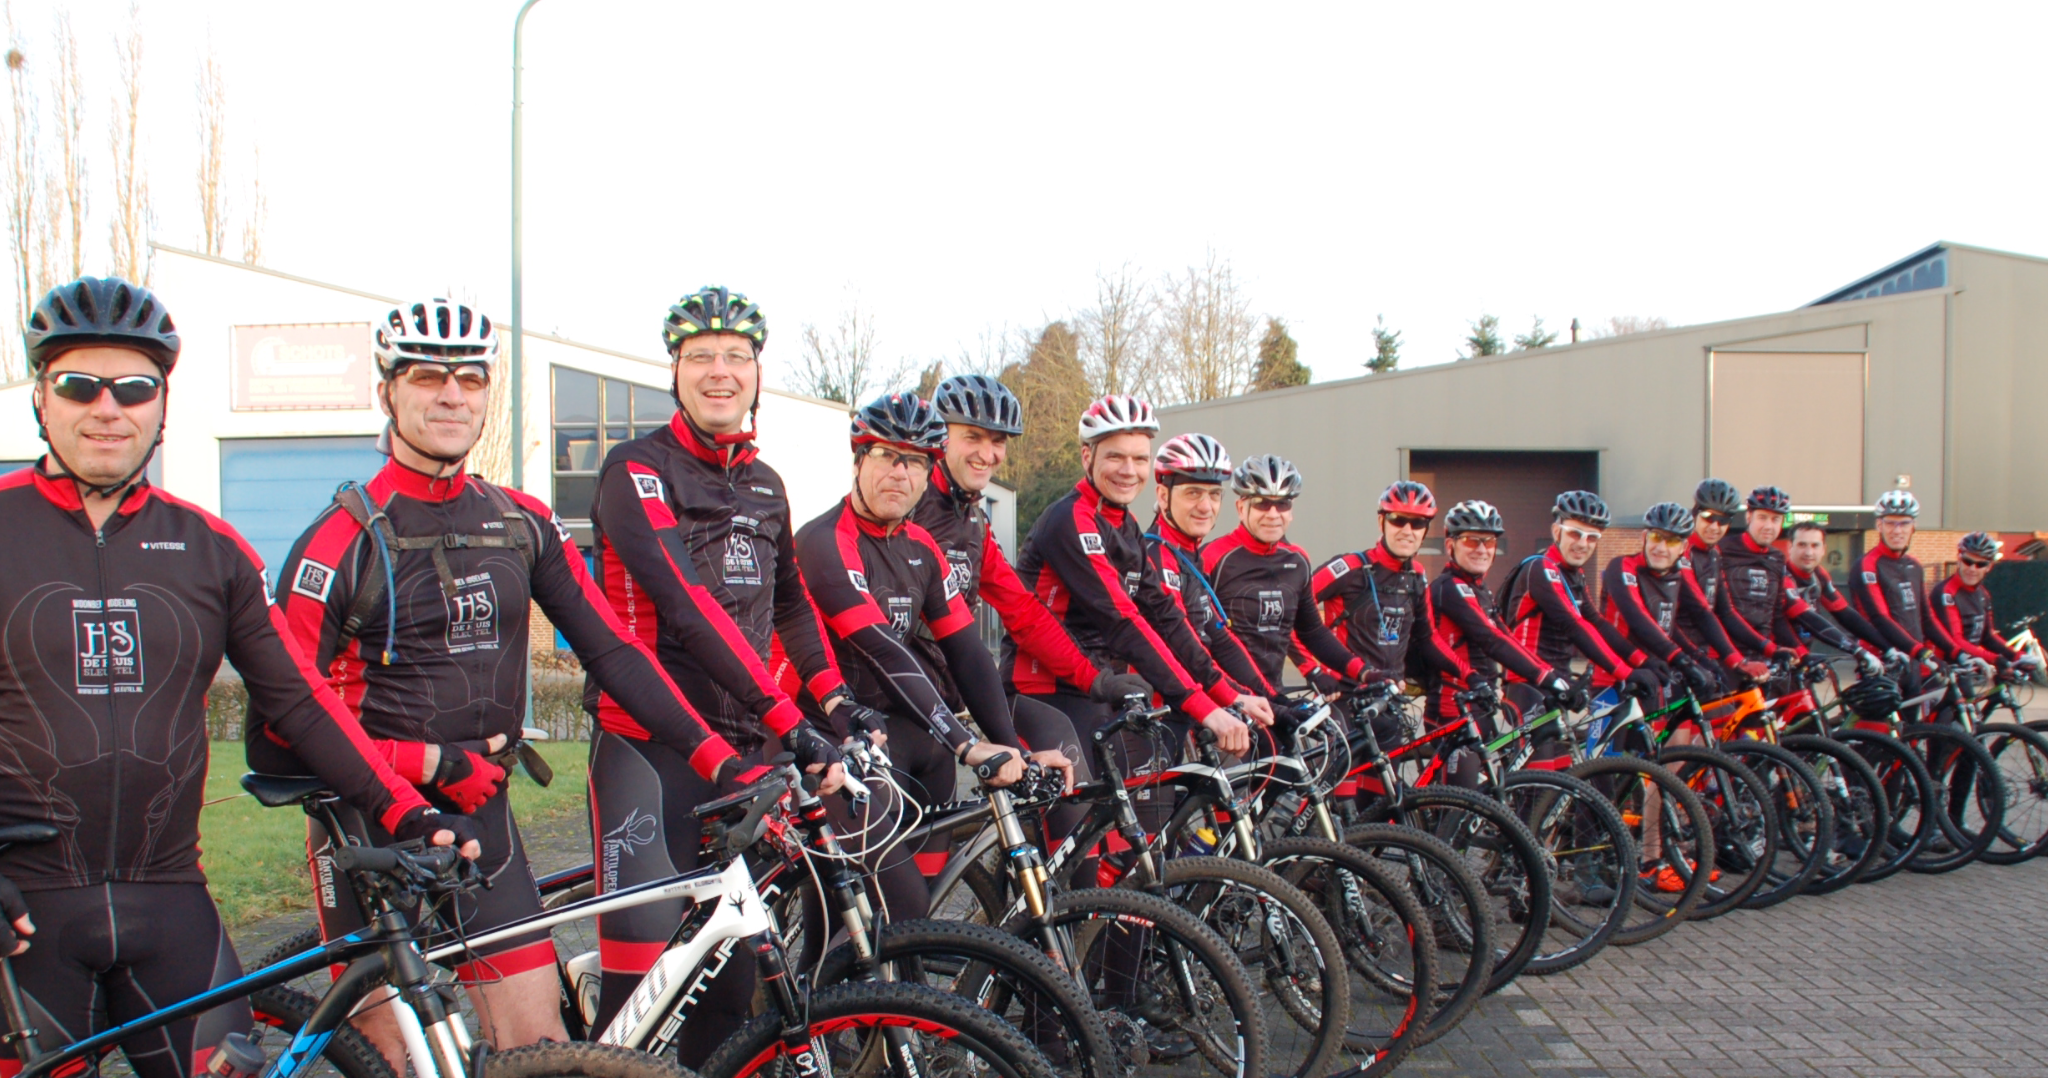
pixel 579 1059
pixel 1003 975
pixel 287 1010
pixel 1803 815
pixel 949 1037
pixel 2021 756
pixel 1862 818
pixel 1909 798
pixel 1592 863
pixel 1685 836
pixel 1504 855
pixel 1738 806
pixel 1456 912
pixel 1969 795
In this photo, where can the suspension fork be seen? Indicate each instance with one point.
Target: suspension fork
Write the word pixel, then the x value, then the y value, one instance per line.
pixel 855 911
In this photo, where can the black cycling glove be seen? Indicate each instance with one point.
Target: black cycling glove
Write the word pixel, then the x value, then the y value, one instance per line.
pixel 466 776
pixel 1114 688
pixel 1325 682
pixel 12 907
pixel 811 747
pixel 859 720
pixel 1645 681
pixel 1702 680
pixel 421 822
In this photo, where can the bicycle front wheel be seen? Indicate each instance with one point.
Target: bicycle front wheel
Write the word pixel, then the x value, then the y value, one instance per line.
pixel 1908 798
pixel 1671 831
pixel 1457 923
pixel 2021 756
pixel 1745 829
pixel 580 1059
pixel 1862 815
pixel 878 1029
pixel 1592 858
pixel 1969 796
pixel 1803 815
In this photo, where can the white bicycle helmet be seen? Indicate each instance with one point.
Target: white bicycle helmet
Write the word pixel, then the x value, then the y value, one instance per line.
pixel 1191 458
pixel 1267 475
pixel 436 331
pixel 1117 414
pixel 1898 503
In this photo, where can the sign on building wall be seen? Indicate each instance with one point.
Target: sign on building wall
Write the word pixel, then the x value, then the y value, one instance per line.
pixel 302 366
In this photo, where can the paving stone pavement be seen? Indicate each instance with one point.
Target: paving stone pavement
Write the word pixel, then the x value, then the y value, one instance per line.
pixel 1916 975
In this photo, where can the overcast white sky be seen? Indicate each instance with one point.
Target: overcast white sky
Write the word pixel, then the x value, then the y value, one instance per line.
pixel 965 166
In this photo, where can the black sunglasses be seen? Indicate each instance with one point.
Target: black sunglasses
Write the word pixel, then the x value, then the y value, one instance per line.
pixel 1974 563
pixel 129 389
pixel 1403 520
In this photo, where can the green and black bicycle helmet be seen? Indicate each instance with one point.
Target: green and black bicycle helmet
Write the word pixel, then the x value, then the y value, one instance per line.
pixel 1717 496
pixel 1770 500
pixel 1581 505
pixel 905 420
pixel 1669 517
pixel 977 400
pixel 1474 515
pixel 100 311
pixel 713 309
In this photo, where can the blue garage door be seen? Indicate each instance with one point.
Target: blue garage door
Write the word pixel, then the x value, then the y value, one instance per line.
pixel 272 488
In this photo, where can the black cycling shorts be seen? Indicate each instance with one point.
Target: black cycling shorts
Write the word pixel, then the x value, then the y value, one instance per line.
pixel 512 894
pixel 113 952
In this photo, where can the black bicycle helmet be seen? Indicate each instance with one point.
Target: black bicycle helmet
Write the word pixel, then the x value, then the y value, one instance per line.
pixel 1980 545
pixel 1669 517
pixel 1718 496
pixel 1473 516
pixel 1873 698
pixel 713 309
pixel 899 419
pixel 100 311
pixel 1582 505
pixel 979 401
pixel 1770 500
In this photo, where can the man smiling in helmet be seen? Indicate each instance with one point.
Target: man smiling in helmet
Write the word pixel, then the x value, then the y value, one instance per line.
pixel 1963 605
pixel 1190 471
pixel 412 594
pixel 1466 623
pixel 1763 603
pixel 1889 589
pixel 1379 596
pixel 122 602
pixel 1550 610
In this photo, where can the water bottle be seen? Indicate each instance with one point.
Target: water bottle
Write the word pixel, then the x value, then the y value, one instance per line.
pixel 1202 842
pixel 236 1057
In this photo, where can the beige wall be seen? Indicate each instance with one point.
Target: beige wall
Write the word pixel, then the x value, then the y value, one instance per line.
pixel 1997 393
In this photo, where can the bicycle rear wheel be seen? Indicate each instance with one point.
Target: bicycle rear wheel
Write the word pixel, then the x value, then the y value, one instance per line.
pixel 851 1024
pixel 2021 755
pixel 580 1059
pixel 1593 863
pixel 1803 817
pixel 1908 798
pixel 1862 818
pixel 1969 796
pixel 1745 831
pixel 1458 918
pixel 1667 823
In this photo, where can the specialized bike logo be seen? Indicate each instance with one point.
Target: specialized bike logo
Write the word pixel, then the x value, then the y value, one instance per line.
pixel 741 566
pixel 108 640
pixel 637 830
pixel 472 614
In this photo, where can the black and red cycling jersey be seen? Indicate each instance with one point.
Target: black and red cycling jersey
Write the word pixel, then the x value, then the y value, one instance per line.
pixel 1271 607
pixel 695 552
pixel 875 584
pixel 1699 572
pixel 1085 560
pixel 113 635
pixel 1762 604
pixel 957 519
pixel 1465 623
pixel 1819 591
pixel 1966 613
pixel 1382 604
pixel 1551 614
pixel 459 672
pixel 1178 559
pixel 1890 591
pixel 1660 613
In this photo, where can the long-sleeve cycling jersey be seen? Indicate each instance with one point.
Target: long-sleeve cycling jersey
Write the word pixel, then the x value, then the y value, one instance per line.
pixel 874 584
pixel 112 638
pixel 1659 612
pixel 695 552
pixel 1966 613
pixel 1819 591
pixel 1762 601
pixel 1465 622
pixel 459 668
pixel 1890 591
pixel 1551 614
pixel 1382 602
pixel 1268 597
pixel 957 520
pixel 1085 560
pixel 1178 559
pixel 1699 573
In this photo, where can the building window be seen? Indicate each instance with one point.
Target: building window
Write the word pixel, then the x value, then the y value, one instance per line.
pixel 591 415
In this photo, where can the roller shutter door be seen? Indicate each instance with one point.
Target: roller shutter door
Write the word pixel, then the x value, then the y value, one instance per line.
pixel 1521 485
pixel 272 488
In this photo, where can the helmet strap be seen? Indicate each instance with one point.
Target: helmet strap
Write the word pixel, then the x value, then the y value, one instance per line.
pixel 119 488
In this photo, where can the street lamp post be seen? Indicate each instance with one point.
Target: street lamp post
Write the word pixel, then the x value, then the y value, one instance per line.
pixel 518 408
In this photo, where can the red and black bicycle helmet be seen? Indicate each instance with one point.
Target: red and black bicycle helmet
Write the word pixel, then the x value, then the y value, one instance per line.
pixel 1408 497
pixel 1770 500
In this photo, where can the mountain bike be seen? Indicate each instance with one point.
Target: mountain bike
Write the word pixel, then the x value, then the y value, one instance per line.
pixel 2020 750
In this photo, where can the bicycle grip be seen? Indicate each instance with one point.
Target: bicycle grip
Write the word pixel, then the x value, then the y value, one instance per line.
pixel 366 859
pixel 988 769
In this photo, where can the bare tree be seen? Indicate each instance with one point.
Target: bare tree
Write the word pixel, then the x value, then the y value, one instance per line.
pixel 132 216
pixel 23 180
pixel 69 88
pixel 1206 333
pixel 259 211
pixel 842 365
pixel 1116 335
pixel 213 140
pixel 1621 325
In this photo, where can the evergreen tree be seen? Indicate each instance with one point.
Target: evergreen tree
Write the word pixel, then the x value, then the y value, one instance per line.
pixel 1386 345
pixel 1051 384
pixel 1485 338
pixel 1535 338
pixel 1278 366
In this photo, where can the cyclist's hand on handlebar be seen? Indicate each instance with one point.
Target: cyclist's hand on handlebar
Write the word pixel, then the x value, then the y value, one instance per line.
pixel 1055 760
pixel 1753 670
pixel 817 756
pixel 1256 708
pixel 441 829
pixel 1645 681
pixel 466 775
pixel 1113 688
pixel 1868 665
pixel 17 924
pixel 1325 683
pixel 1012 769
pixel 1232 735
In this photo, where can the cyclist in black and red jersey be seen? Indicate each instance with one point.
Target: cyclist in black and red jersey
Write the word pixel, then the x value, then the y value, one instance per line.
pixel 1714 504
pixel 1264 580
pixel 1648 597
pixel 1189 474
pixel 1761 609
pixel 1890 591
pixel 695 552
pixel 413 594
pixel 1469 630
pixel 121 602
pixel 877 576
pixel 1549 609
pixel 1963 606
pixel 1808 579
pixel 1379 598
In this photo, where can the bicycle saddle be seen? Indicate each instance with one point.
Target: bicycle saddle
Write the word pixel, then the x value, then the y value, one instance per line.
pixel 277 791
